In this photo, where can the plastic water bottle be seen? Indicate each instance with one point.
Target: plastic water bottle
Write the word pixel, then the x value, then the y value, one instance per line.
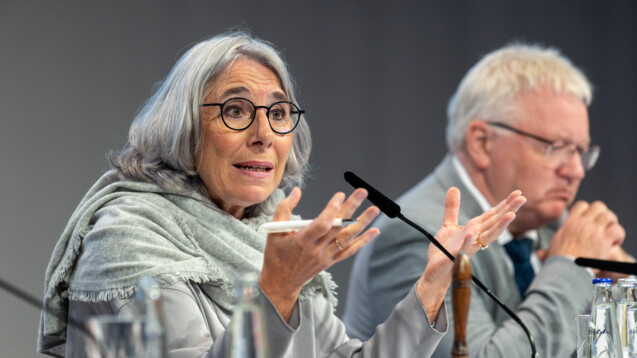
pixel 248 322
pixel 627 299
pixel 148 299
pixel 605 342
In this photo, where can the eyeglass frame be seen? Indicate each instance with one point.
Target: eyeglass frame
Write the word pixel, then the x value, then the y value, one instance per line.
pixel 254 113
pixel 596 149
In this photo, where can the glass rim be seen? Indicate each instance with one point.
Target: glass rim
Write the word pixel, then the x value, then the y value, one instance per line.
pixel 294 120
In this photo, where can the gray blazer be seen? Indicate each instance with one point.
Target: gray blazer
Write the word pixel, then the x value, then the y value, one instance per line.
pixel 385 269
pixel 196 327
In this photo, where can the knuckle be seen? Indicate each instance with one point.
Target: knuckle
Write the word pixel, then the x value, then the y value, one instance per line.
pixel 579 208
pixel 581 203
pixel 323 225
pixel 599 205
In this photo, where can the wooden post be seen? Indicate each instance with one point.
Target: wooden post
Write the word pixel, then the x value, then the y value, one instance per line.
pixel 460 299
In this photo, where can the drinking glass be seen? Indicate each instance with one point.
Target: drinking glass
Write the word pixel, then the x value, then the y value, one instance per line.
pixel 115 337
pixel 583 327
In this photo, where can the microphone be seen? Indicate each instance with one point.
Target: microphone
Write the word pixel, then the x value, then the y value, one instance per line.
pixel 392 210
pixel 629 268
pixel 385 204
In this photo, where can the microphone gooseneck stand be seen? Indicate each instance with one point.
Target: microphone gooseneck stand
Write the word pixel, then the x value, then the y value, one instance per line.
pixel 25 297
pixel 392 210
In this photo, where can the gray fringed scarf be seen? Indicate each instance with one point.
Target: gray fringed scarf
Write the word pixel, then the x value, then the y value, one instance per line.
pixel 122 230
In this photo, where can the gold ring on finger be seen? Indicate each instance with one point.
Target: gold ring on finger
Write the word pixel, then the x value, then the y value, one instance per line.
pixel 338 244
pixel 482 246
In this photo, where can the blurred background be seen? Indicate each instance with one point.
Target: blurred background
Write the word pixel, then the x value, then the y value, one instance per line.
pixel 373 76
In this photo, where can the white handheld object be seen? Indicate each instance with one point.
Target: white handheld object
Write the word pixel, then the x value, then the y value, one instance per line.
pixel 287 226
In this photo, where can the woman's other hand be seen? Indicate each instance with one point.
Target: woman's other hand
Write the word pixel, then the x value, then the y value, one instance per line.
pixel 478 232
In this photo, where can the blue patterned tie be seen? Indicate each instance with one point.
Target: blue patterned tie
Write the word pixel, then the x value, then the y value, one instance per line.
pixel 519 251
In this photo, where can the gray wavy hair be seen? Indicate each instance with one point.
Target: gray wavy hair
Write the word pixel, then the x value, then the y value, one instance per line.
pixel 166 134
pixel 488 89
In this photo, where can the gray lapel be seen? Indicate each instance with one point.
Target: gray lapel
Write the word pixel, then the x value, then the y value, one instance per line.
pixel 447 176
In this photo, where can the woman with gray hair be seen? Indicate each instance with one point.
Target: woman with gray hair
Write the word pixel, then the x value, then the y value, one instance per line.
pixel 207 162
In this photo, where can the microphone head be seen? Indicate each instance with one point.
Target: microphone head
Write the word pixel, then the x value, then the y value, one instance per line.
pixel 385 204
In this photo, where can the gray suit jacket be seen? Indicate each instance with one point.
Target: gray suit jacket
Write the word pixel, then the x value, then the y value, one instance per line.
pixel 386 268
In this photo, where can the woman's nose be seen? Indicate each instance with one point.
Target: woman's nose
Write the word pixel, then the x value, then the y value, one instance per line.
pixel 263 132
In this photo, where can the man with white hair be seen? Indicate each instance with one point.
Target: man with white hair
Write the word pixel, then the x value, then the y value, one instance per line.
pixel 518 120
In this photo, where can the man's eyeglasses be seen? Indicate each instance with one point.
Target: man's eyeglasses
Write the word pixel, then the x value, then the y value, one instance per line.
pixel 560 150
pixel 239 113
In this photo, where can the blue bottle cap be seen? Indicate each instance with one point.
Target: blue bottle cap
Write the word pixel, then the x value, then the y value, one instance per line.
pixel 602 280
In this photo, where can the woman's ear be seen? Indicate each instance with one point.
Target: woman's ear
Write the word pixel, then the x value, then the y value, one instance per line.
pixel 478 141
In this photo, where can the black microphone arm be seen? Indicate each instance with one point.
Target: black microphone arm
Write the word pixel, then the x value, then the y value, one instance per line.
pixel 629 268
pixel 33 301
pixel 392 210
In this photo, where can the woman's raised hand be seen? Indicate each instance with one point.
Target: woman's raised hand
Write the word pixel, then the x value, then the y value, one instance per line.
pixel 291 259
pixel 477 233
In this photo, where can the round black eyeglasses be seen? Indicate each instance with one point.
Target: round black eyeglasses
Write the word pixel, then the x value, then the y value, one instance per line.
pixel 239 113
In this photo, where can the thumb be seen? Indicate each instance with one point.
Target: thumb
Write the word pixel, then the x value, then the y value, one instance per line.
pixel 285 207
pixel 452 207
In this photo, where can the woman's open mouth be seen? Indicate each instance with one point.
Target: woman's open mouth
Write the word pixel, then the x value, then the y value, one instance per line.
pixel 255 169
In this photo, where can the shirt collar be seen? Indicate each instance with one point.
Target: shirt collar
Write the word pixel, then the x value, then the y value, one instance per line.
pixel 506 236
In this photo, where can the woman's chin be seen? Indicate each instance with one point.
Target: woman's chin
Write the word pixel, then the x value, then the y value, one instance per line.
pixel 256 195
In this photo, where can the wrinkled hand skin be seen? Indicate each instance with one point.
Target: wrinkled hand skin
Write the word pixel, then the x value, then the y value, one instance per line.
pixel 433 284
pixel 592 231
pixel 292 259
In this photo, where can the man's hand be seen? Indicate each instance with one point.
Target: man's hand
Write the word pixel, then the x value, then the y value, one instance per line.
pixel 590 230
